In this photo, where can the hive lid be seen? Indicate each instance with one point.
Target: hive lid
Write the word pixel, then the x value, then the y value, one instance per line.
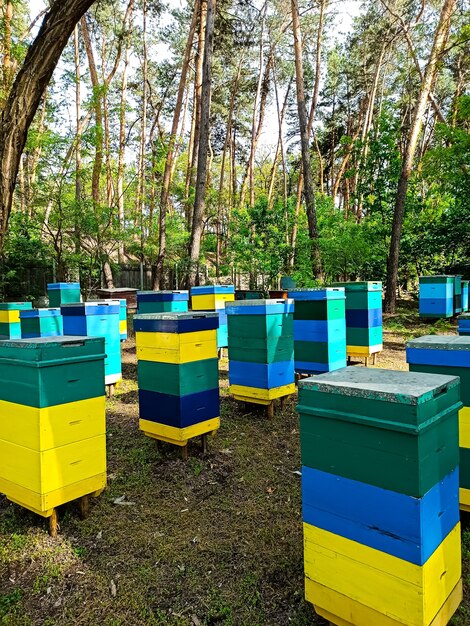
pixel 193 321
pixel 64 348
pixel 63 286
pixel 366 285
pixel 259 307
pixel 161 296
pixel 212 289
pixel 94 307
pixel 176 316
pixel 440 342
pixel 409 388
pixel 29 313
pixel 318 293
pixel 15 306
pixel 118 290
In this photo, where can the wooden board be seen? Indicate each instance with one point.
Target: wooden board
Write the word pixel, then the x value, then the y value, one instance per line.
pixel 260 396
pixel 178 436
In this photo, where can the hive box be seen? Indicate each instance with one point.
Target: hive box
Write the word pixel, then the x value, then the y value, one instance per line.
pixel 63 293
pixel 10 325
pixel 162 302
pixel 464 324
pixel 52 420
pixel 436 296
pixel 41 323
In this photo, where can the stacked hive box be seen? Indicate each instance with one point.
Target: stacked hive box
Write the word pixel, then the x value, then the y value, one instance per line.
pixel 363 318
pixel 52 421
pixel 448 355
pixel 380 496
pixel 63 293
pixel 162 301
pixel 97 319
pixel 178 376
pixel 41 323
pixel 213 298
pixel 457 295
pixel 123 319
pixel 436 296
pixel 464 324
pixel 261 349
pixel 10 324
pixel 319 330
pixel 465 296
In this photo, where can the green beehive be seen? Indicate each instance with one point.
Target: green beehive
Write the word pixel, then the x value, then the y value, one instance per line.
pixel 178 379
pixel 51 370
pixel 359 422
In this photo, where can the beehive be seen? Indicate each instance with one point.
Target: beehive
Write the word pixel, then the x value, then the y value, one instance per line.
pixel 10 325
pixel 99 318
pixel 123 319
pixel 465 296
pixel 319 330
pixel 464 324
pixel 448 355
pixel 380 496
pixel 261 349
pixel 436 296
pixel 457 294
pixel 41 323
pixel 63 293
pixel 177 373
pixel 213 298
pixel 363 317
pixel 52 421
pixel 162 301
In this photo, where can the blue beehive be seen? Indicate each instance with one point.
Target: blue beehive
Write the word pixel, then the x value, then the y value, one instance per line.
pixel 436 296
pixel 214 298
pixel 41 323
pixel 63 293
pixel 98 318
pixel 319 330
pixel 465 296
pixel 464 324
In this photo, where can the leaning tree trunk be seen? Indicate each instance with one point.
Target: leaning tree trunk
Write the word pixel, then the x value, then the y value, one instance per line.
pixel 201 178
pixel 26 93
pixel 309 190
pixel 430 73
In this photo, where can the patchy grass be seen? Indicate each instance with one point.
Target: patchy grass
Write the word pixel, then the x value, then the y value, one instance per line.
pixel 215 541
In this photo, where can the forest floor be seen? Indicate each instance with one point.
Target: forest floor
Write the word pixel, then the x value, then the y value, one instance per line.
pixel 216 540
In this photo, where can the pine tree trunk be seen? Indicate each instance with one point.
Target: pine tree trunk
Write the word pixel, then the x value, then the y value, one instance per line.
pixel 430 74
pixel 201 178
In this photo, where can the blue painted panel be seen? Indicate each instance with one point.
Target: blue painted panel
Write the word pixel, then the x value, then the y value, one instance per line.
pixel 222 336
pixel 259 307
pixel 261 375
pixel 212 289
pixel 331 293
pixel 75 325
pixel 89 308
pixel 452 358
pixel 63 286
pixel 169 323
pixel 39 313
pixel 368 318
pixel 319 330
pixel 179 411
pixel 442 306
pixel 306 367
pixel 406 527
pixel 162 296
pixel 436 291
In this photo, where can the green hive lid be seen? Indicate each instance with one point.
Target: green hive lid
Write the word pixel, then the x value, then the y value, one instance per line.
pixel 51 348
pixel 365 285
pixel 436 278
pixel 191 315
pixel 15 306
pixel 410 388
pixel 440 342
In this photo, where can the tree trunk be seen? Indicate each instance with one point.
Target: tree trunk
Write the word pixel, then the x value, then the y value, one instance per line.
pixel 309 190
pixel 430 74
pixel 26 93
pixel 78 156
pixel 171 149
pixel 201 178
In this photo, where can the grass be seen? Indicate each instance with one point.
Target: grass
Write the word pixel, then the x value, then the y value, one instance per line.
pixel 215 541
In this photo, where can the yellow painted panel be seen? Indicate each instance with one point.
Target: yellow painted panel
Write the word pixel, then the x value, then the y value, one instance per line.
pixel 464 427
pixel 178 436
pixel 377 579
pixel 343 611
pixel 52 469
pixel 174 341
pixel 42 504
pixel 464 496
pixel 53 426
pixel 185 354
pixel 209 302
pixel 123 326
pixel 363 350
pixel 260 396
pixel 9 317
